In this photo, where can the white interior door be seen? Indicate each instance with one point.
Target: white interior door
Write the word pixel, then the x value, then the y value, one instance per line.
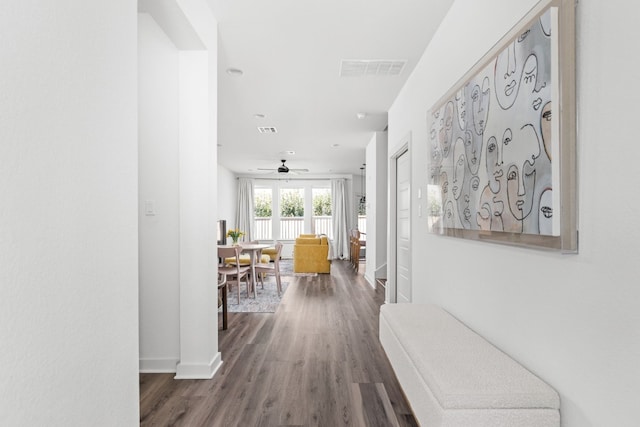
pixel 403 236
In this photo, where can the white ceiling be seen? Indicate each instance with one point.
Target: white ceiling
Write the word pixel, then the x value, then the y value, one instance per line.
pixel 290 53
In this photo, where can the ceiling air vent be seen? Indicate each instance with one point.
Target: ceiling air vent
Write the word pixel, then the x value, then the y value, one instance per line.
pixel 365 67
pixel 267 129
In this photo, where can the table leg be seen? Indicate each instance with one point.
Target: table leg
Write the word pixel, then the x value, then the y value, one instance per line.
pixel 224 307
pixel 253 273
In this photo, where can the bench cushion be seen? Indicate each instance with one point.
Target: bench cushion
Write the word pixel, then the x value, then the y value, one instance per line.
pixel 461 368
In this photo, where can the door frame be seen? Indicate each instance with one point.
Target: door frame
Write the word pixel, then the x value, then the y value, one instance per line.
pixel 404 146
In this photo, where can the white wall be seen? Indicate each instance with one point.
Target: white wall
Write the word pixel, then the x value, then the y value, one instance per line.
pixel 227 196
pixel 68 217
pixel 376 189
pixel 178 63
pixel 571 319
pixel 158 67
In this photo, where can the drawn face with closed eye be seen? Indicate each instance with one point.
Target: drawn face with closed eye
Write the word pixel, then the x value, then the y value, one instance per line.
pixel 473 151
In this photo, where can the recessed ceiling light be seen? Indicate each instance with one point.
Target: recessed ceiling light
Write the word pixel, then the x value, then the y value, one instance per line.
pixel 361 115
pixel 335 145
pixel 259 116
pixel 288 152
pixel 234 71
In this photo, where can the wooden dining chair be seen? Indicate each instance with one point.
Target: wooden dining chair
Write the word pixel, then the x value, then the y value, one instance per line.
pixel 233 273
pixel 355 249
pixel 271 268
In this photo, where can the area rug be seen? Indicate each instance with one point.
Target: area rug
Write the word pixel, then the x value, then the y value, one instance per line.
pixel 286 269
pixel 266 301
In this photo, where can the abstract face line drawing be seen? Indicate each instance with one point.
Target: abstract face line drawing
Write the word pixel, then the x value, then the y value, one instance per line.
pixel 458 169
pixel 473 150
pixel 520 192
pixel 445 133
pixel 480 97
pixel 494 164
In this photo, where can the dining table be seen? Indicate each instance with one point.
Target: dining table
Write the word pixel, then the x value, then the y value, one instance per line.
pixel 253 249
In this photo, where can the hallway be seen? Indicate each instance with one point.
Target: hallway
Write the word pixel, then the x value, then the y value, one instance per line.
pixel 315 362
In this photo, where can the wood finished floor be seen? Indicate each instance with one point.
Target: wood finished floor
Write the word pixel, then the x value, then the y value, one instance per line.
pixel 317 361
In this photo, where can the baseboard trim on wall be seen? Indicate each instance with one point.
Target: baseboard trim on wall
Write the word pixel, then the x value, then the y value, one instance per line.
pixel 158 366
pixel 186 371
pixel 370 281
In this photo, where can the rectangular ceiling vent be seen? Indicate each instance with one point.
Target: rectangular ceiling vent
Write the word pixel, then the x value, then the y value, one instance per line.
pixel 267 129
pixel 366 67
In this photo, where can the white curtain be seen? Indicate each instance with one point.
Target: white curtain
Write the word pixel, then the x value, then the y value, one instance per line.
pixel 244 212
pixel 339 210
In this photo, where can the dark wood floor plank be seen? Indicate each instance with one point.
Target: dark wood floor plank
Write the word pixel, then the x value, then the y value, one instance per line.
pixel 317 361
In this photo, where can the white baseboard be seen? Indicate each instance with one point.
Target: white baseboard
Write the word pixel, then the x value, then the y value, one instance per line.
pixel 370 281
pixel 198 372
pixel 157 366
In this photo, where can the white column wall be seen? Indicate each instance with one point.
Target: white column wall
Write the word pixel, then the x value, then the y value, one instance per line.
pixel 68 216
pixel 178 168
pixel 159 179
pixel 376 190
pixel 571 319
pixel 199 357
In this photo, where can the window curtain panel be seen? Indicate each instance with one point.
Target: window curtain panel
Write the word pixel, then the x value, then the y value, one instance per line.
pixel 244 211
pixel 340 244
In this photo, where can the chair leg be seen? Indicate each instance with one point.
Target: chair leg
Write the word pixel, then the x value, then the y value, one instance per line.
pixel 278 283
pixel 249 287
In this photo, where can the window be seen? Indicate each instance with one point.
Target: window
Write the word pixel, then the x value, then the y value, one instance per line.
pixel 321 221
pixel 362 218
pixel 291 212
pixel 263 213
pixel 285 209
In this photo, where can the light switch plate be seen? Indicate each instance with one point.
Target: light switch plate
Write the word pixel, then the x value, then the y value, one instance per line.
pixel 148 208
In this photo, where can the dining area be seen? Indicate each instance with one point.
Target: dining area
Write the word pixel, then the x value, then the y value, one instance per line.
pixel 241 266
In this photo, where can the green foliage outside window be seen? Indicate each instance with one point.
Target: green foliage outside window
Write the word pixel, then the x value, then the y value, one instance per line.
pixel 262 202
pixel 362 208
pixel 322 203
pixel 292 203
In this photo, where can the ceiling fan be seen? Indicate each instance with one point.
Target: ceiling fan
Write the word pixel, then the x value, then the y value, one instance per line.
pixel 284 169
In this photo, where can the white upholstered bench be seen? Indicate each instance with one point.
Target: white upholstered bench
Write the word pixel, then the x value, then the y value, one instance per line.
pixel 452 377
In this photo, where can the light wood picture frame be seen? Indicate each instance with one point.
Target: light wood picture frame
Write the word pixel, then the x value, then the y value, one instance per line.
pixel 502 141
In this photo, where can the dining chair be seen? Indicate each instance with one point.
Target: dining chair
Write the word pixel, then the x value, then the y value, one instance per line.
pixel 271 268
pixel 233 273
pixel 355 252
pixel 245 259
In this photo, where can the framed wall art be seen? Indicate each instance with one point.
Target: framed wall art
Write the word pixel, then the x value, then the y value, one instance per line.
pixel 502 141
